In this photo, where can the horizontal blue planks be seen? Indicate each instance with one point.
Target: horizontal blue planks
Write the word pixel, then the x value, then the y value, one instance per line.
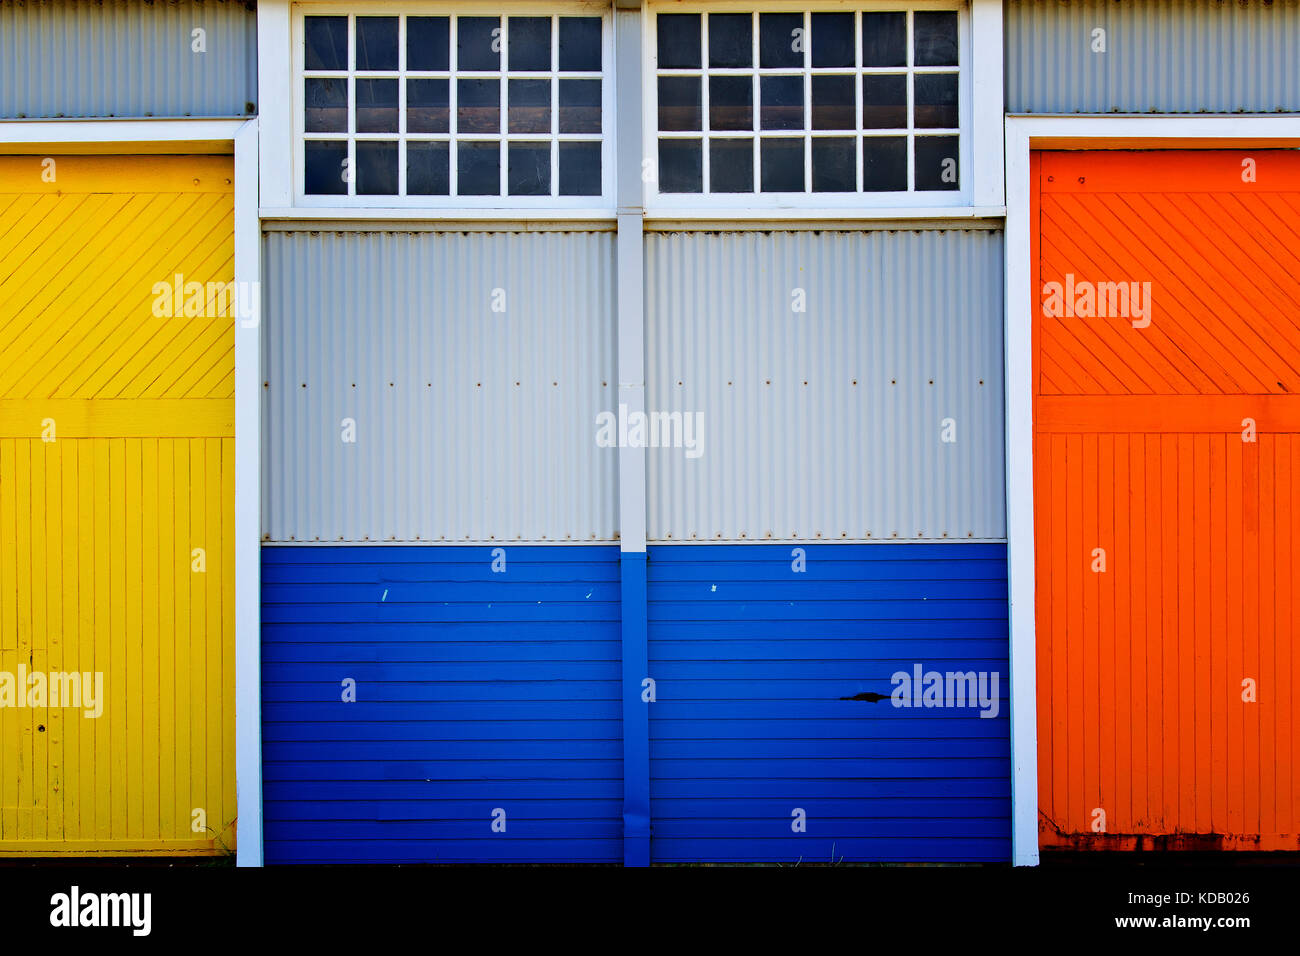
pixel 750 731
pixel 477 691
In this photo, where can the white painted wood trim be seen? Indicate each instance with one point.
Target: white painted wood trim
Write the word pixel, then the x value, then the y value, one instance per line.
pixel 248 508
pixel 1020 505
pixel 74 132
pixel 1022 135
pixel 986 69
pixel 344 213
pixel 275 93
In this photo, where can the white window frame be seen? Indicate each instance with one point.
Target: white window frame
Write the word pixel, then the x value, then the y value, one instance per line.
pixel 960 202
pixel 1023 134
pixel 599 204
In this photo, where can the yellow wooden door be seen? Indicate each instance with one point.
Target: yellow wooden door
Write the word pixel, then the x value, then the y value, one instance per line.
pixel 116 505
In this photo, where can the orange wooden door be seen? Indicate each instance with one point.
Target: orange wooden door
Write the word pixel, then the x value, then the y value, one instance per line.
pixel 1166 475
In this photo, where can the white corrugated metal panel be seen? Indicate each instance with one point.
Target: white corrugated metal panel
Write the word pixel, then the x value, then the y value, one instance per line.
pixel 127 58
pixel 471 424
pixel 827 424
pixel 1161 56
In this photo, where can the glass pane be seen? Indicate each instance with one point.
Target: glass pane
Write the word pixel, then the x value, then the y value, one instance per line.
pixel 731 102
pixel 833 102
pixel 376 43
pixel 426 106
pixel 779 36
pixel 884 163
pixel 427 43
pixel 580 44
pixel 936 100
pixel 530 169
pixel 834 165
pixel 832 39
pixel 478 169
pixel 936 38
pixel 530 43
pixel 884 39
pixel 782 164
pixel 580 169
pixel 781 102
pixel 530 106
pixel 579 106
pixel 731 165
pixel 325 105
pixel 376 106
pixel 475 42
pixel 731 39
pixel 376 169
pixel 681 166
pixel 325 166
pixel 679 102
pixel 427 169
pixel 679 40
pixel 884 101
pixel 326 43
pixel 478 106
pixel 936 162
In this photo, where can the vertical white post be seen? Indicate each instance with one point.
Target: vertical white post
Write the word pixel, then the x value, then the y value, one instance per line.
pixel 248 573
pixel 1020 500
pixel 987 99
pixel 275 92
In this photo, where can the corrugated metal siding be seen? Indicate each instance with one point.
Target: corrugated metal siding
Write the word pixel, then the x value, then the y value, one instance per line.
pixel 471 425
pixel 752 662
pixel 126 58
pixel 475 691
pixel 826 424
pixel 1162 56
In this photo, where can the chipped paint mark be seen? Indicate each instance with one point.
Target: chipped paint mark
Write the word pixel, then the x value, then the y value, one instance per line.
pixel 868 696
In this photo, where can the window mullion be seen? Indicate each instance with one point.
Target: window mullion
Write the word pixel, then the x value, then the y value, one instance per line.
pixel 401 106
pixel 503 148
pixel 706 178
pixel 453 125
pixel 555 105
pixel 352 105
pixel 807 103
pixel 753 118
pixel 858 142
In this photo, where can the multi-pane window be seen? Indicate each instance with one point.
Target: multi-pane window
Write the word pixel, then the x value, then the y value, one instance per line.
pixel 454 106
pixel 808 102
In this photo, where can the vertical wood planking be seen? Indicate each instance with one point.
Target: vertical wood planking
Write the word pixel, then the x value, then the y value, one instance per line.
pixel 97 527
pixel 1141 674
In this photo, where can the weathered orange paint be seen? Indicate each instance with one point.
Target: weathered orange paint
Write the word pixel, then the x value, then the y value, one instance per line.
pixel 1142 449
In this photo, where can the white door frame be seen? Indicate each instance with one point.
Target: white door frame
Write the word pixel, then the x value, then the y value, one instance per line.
pixel 1025 133
pixel 80 136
